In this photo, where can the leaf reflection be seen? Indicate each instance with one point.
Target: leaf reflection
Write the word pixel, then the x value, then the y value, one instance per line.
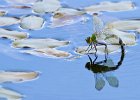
pixel 103 69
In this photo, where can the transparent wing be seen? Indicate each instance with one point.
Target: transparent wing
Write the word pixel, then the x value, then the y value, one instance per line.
pixel 108 19
pixel 112 80
pixel 99 81
pixel 98 24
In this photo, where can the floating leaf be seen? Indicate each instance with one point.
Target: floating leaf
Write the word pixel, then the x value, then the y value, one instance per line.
pixel 46 6
pixel 47 52
pixel 66 20
pixel 125 24
pixel 67 11
pixel 17 76
pixel 127 38
pixel 15 10
pixel 100 49
pixel 6 21
pixel 67 16
pixel 39 43
pixel 13 35
pixel 110 7
pixel 31 22
pixel 21 1
pixel 10 94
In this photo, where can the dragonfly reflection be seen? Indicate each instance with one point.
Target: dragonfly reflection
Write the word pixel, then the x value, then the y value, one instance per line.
pixel 103 69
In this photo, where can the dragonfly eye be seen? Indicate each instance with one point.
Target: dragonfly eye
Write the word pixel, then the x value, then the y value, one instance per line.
pixel 88 39
pixel 88 65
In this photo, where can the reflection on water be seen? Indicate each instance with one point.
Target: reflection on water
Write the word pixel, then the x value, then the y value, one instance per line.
pixel 104 69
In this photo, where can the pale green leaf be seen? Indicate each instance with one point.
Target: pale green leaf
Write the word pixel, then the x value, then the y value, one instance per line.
pixel 50 52
pixel 15 77
pixel 31 22
pixel 46 6
pixel 13 35
pixel 6 21
pixel 39 43
pixel 125 25
pixel 110 7
pixel 100 49
pixel 10 94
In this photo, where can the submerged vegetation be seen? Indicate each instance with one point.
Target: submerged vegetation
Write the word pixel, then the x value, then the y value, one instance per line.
pixel 106 38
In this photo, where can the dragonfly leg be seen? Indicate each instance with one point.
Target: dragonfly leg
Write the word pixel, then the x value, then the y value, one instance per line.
pixel 88 48
pixel 90 59
pixel 95 49
pixel 106 50
pixel 95 59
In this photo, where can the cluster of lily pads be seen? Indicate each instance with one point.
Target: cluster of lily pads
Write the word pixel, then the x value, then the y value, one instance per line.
pixel 60 16
pixel 14 77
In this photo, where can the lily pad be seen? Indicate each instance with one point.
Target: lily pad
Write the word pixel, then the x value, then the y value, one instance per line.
pixel 21 1
pixel 125 24
pixel 10 94
pixel 127 38
pixel 13 35
pixel 39 43
pixel 31 22
pixel 67 16
pixel 17 76
pixel 67 11
pixel 17 10
pixel 46 6
pixel 66 20
pixel 110 7
pixel 100 49
pixel 47 52
pixel 6 21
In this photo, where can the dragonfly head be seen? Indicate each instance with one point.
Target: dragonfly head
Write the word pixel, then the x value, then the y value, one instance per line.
pixel 88 40
pixel 88 65
pixel 95 14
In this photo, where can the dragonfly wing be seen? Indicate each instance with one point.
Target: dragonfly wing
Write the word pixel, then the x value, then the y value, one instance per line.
pixel 98 24
pixel 112 80
pixel 99 82
pixel 109 63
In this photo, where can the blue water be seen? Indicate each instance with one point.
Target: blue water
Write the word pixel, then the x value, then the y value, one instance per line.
pixel 69 80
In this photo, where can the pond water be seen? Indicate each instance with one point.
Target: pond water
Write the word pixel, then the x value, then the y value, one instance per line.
pixel 69 80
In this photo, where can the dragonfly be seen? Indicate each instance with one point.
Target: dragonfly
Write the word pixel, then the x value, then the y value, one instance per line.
pixel 99 36
pixel 104 68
